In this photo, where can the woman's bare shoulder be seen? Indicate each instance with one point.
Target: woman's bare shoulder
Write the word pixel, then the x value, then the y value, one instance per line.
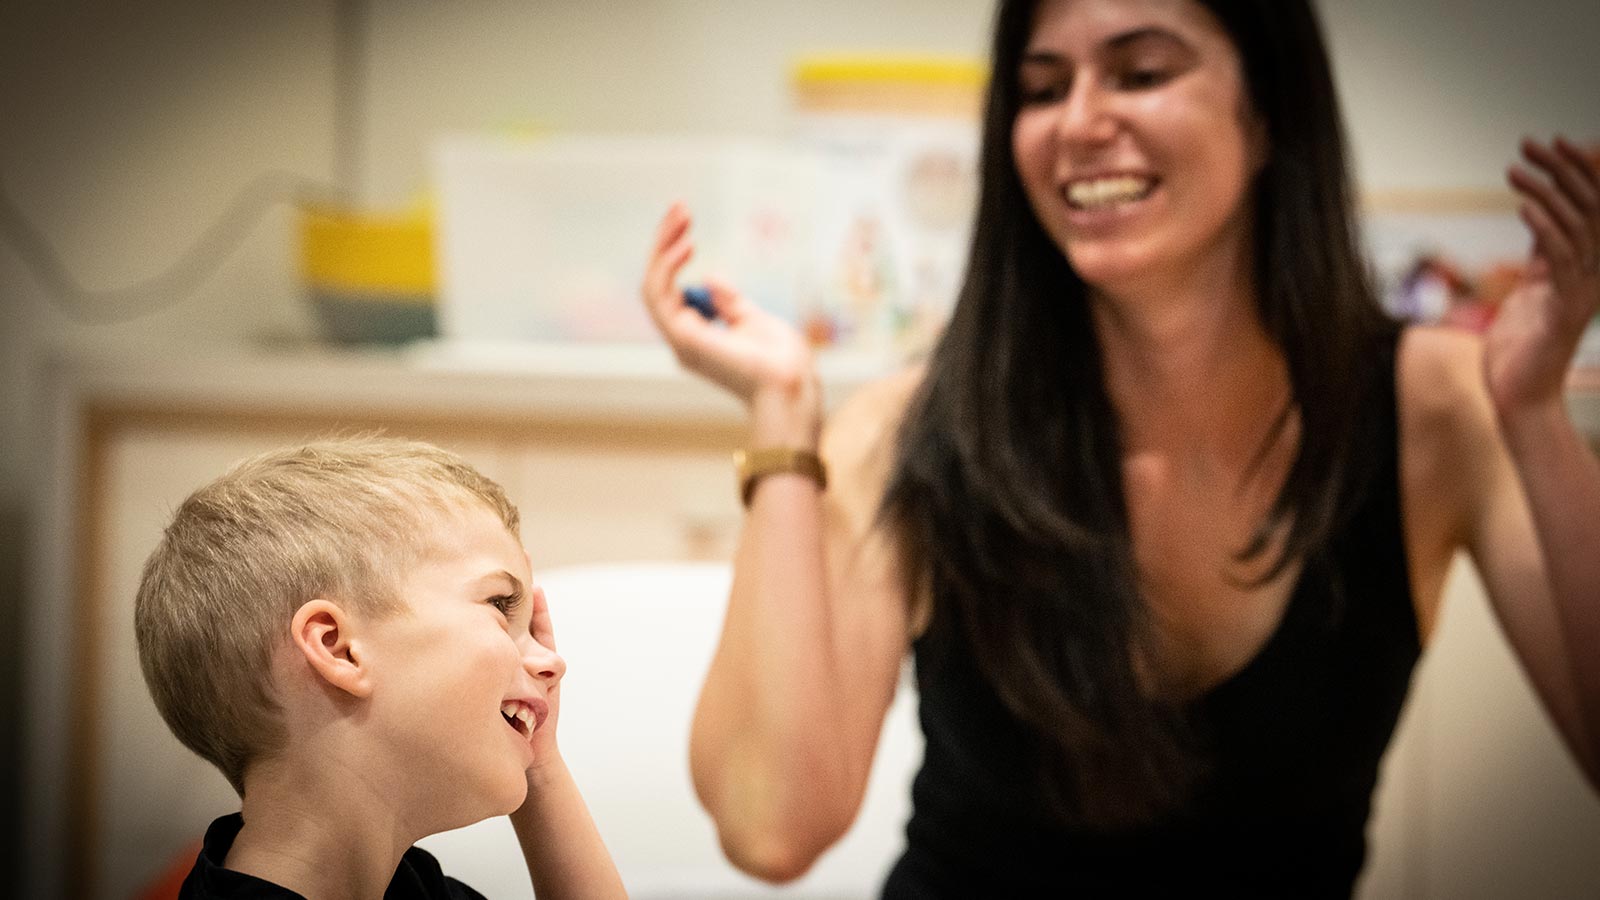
pixel 1441 386
pixel 869 419
pixel 859 440
pixel 1449 445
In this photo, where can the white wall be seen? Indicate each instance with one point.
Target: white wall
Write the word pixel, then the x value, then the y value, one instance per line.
pixel 129 127
pixel 1438 92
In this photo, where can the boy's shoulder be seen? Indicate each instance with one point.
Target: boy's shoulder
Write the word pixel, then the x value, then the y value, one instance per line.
pixel 418 876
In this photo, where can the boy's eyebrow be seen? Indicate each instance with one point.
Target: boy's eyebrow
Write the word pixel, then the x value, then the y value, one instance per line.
pixel 516 583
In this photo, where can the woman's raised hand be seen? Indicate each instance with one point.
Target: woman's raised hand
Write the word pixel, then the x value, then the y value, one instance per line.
pixel 760 358
pixel 1530 345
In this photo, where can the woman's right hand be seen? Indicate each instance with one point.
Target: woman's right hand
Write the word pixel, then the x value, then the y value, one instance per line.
pixel 757 356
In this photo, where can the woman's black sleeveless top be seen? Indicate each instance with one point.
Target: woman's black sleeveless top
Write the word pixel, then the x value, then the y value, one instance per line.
pixel 1296 738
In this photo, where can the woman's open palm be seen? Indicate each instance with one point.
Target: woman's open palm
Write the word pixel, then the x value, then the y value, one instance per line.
pixel 745 349
pixel 1530 345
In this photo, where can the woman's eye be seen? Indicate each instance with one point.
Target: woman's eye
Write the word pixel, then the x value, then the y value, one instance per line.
pixel 1041 93
pixel 1140 79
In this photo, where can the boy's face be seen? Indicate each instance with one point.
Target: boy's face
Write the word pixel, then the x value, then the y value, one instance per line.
pixel 447 673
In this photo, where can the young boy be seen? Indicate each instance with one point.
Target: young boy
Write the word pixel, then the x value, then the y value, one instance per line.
pixel 350 632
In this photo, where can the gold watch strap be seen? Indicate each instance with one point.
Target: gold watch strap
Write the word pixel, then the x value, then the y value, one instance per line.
pixel 754 465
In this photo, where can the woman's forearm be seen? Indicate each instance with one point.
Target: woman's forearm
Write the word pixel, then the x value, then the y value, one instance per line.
pixel 1561 478
pixel 766 753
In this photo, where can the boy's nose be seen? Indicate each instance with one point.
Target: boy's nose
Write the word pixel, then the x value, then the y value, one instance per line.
pixel 544 663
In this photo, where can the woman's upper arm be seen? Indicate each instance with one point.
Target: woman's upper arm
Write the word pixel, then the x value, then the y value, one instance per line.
pixel 870 602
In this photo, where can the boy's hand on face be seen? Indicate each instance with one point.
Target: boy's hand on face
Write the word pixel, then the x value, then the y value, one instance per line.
pixel 565 854
pixel 540 628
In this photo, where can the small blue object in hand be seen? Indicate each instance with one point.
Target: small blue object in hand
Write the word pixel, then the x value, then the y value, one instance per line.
pixel 699 299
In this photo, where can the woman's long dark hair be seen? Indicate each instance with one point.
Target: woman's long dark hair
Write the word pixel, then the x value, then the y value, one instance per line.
pixel 1008 486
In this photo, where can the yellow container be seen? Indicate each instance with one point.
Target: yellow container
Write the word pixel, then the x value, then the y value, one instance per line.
pixel 892 85
pixel 360 252
pixel 371 277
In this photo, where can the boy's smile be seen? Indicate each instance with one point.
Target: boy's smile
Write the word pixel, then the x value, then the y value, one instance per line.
pixel 462 671
pixel 525 715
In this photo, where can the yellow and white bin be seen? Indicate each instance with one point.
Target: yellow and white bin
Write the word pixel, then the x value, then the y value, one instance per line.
pixel 370 277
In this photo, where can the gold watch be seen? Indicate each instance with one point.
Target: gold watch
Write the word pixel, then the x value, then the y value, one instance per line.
pixel 754 465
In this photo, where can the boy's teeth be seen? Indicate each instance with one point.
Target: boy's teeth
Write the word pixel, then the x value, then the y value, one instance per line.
pixel 1107 191
pixel 515 712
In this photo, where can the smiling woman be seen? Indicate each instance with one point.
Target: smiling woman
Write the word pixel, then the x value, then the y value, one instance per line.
pixel 1127 127
pixel 1165 518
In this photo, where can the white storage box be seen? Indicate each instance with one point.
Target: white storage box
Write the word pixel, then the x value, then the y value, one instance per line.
pixel 547 239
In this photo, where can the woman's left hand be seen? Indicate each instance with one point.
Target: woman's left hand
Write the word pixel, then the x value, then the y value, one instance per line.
pixel 1530 345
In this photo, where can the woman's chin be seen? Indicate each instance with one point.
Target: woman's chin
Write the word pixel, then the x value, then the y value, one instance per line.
pixel 1106 267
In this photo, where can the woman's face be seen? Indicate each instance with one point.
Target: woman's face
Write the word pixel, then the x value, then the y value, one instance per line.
pixel 1134 139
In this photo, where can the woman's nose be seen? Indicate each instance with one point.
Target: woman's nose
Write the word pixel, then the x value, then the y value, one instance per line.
pixel 1085 116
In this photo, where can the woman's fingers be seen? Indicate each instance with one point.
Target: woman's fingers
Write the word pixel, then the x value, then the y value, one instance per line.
pixel 1587 164
pixel 1566 172
pixel 673 248
pixel 1567 196
pixel 672 224
pixel 730 305
pixel 1556 210
pixel 1557 207
pixel 1552 240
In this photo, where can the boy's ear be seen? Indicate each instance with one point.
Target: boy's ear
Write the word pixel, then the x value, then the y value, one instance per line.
pixel 324 634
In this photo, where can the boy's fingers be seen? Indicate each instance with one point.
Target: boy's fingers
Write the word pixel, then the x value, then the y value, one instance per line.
pixel 539 623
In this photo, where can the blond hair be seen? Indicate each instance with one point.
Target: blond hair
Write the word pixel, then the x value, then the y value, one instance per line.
pixel 339 519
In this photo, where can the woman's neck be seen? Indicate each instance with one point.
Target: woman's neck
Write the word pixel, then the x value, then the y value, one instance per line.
pixel 320 836
pixel 1188 366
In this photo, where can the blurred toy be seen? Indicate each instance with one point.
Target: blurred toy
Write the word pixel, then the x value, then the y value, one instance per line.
pixel 699 300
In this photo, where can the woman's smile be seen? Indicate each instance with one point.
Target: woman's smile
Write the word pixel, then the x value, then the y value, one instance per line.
pixel 1134 138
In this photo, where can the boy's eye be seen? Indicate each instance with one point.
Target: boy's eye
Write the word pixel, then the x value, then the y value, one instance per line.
pixel 506 603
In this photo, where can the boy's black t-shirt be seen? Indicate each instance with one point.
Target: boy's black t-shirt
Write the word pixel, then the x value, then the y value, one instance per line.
pixel 418 876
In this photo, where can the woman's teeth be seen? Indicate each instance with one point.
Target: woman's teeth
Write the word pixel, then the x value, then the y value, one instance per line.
pixel 1103 192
